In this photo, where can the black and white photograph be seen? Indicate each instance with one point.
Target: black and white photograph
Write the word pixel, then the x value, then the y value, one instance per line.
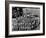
pixel 25 19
